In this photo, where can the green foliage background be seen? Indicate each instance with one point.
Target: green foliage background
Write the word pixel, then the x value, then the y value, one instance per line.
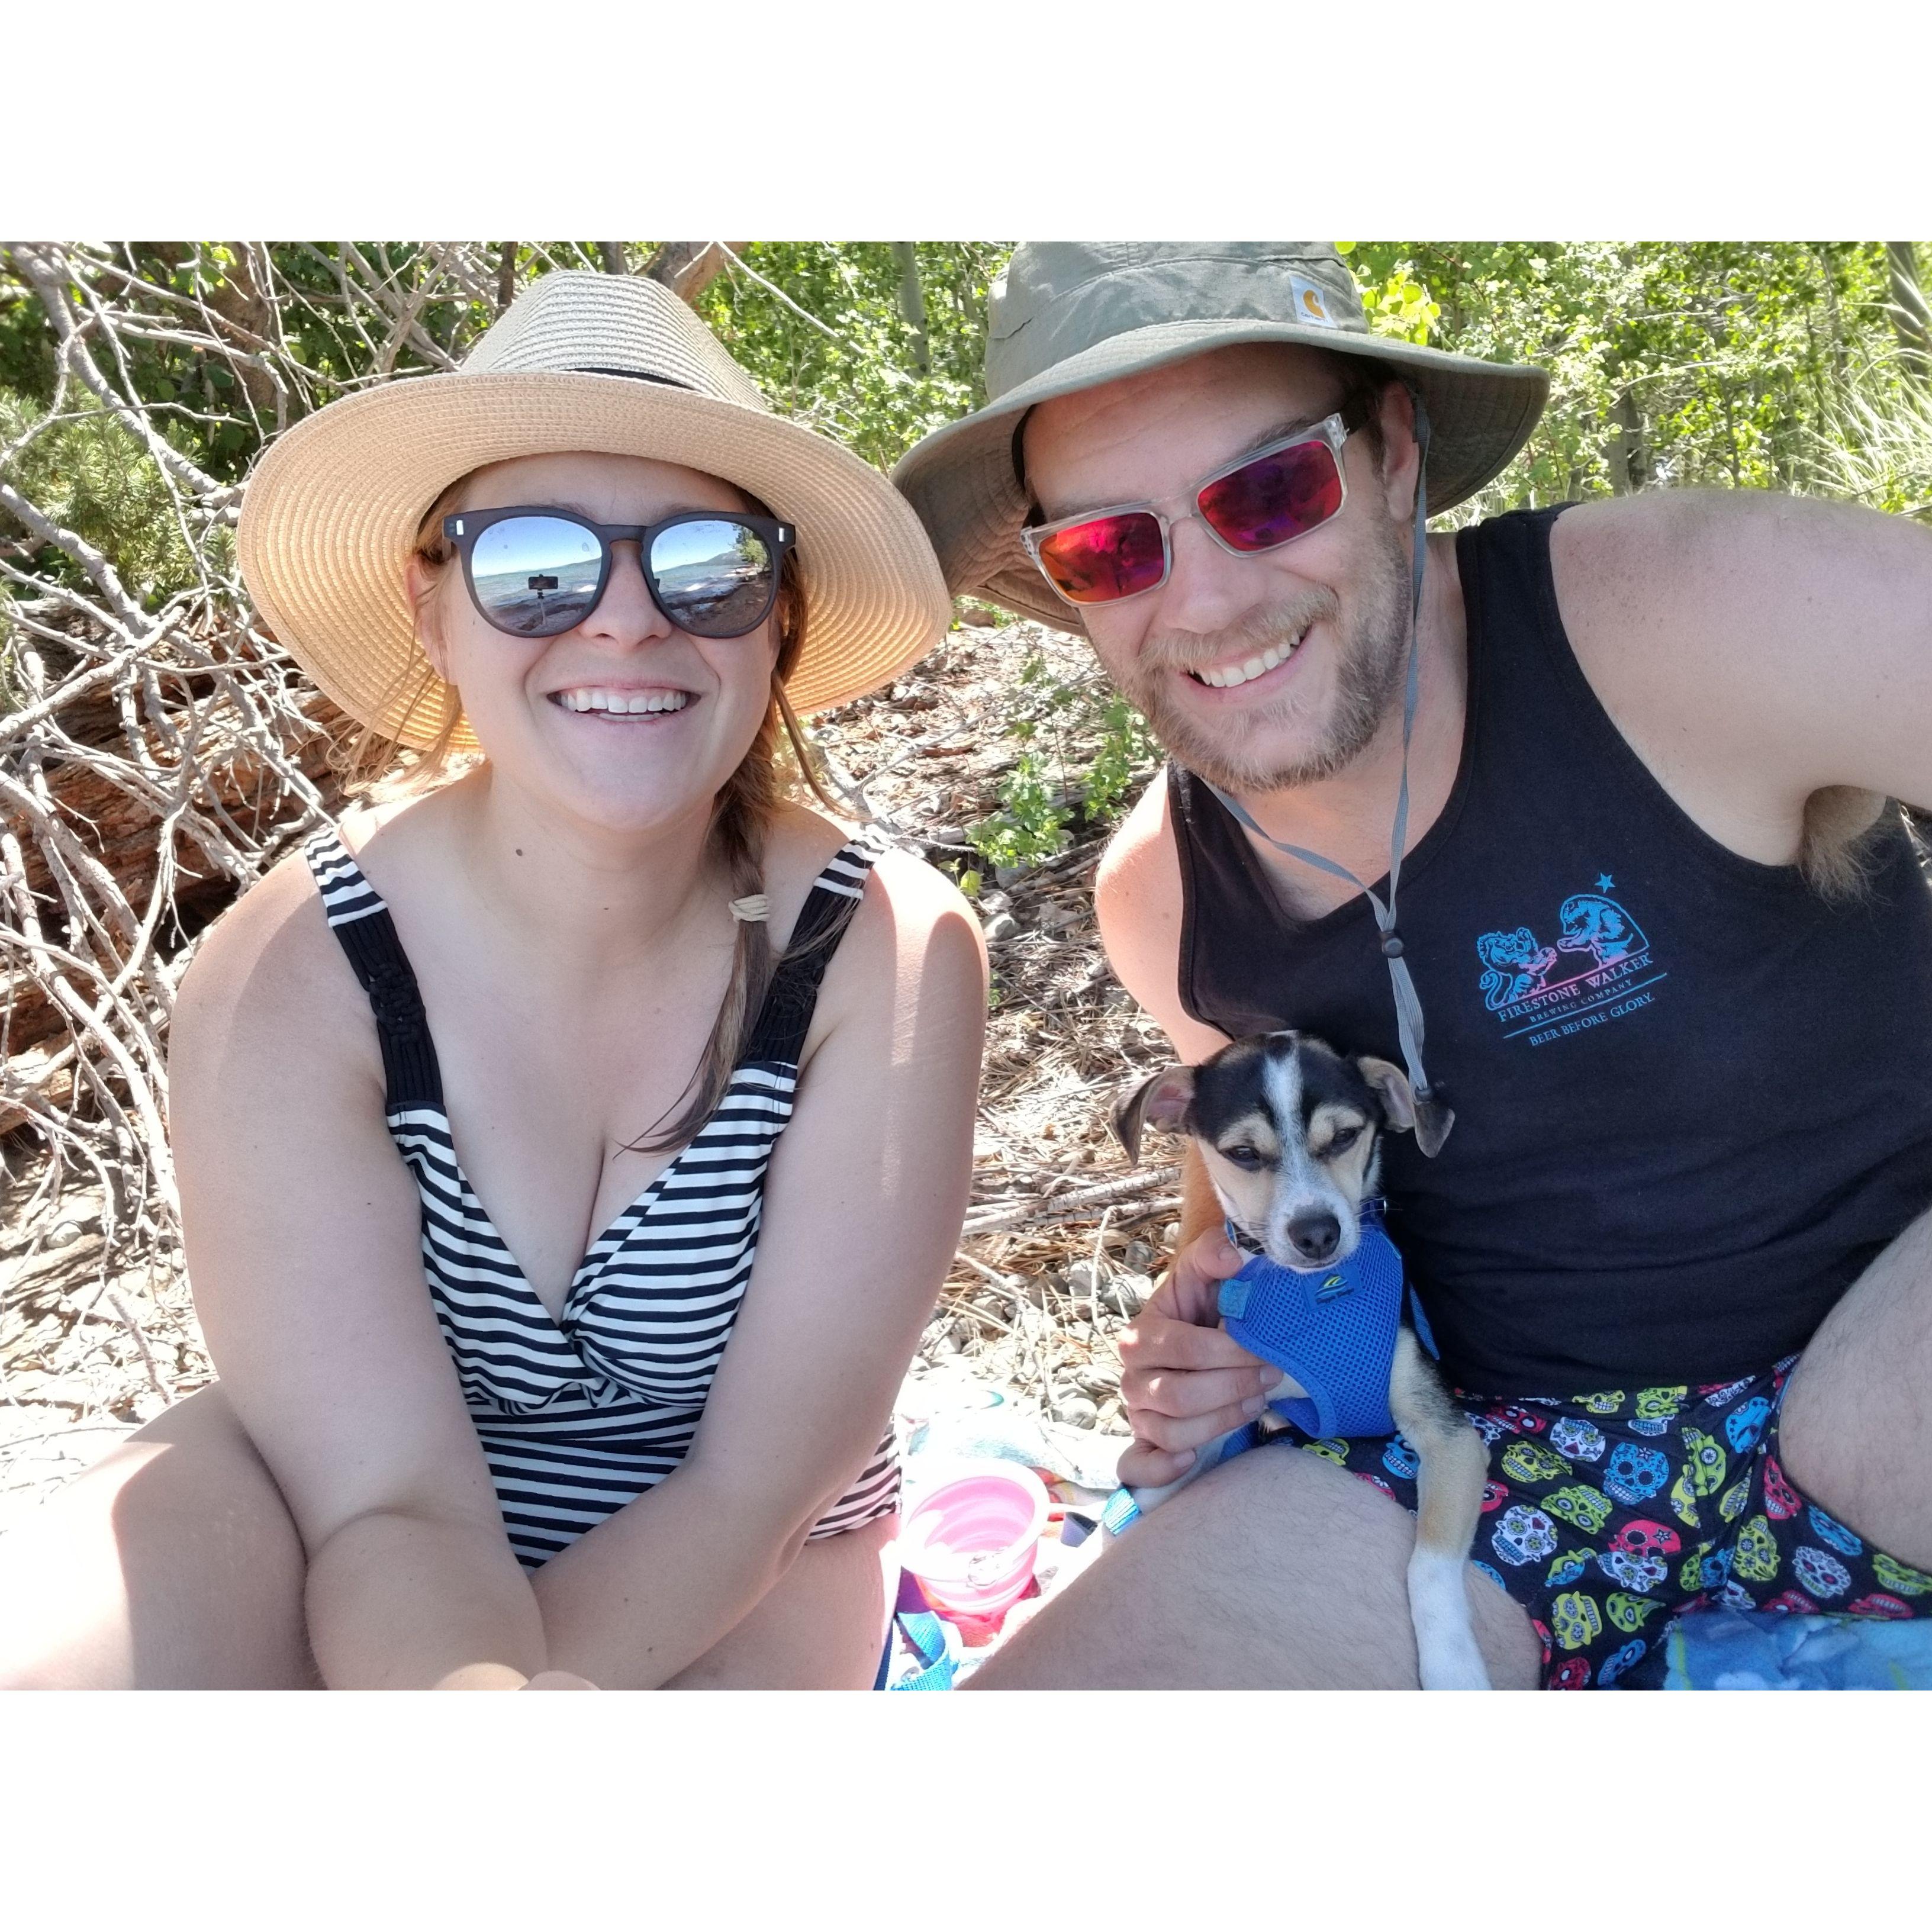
pixel 1773 365
pixel 1769 365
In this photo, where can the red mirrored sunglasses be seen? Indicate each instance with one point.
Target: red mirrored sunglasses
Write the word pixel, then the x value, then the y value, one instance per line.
pixel 1256 504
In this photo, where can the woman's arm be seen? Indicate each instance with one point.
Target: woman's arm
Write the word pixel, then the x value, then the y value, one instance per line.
pixel 867 1189
pixel 303 1236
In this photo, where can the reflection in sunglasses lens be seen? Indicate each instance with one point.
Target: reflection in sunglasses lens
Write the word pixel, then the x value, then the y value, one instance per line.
pixel 535 577
pixel 1110 557
pixel 1267 501
pixel 714 579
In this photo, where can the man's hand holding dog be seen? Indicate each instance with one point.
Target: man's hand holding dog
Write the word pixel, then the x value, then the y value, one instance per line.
pixel 1183 1380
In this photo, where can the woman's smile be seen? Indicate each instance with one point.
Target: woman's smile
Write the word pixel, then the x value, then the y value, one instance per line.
pixel 627 703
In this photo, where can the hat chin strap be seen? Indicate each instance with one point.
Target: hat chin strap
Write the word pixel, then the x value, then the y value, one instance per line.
pixel 1433 1118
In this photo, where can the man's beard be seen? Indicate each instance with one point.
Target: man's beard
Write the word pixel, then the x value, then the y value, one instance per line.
pixel 1371 653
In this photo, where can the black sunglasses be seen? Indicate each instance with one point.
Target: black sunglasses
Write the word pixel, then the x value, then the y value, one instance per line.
pixel 536 572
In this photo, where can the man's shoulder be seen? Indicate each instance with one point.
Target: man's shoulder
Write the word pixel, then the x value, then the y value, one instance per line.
pixel 1665 548
pixel 1140 860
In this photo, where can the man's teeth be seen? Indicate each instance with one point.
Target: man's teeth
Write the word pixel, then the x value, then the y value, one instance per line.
pixel 623 703
pixel 1225 677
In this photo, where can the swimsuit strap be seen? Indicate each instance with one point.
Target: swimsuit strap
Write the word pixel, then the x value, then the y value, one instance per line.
pixel 411 1075
pixel 786 1016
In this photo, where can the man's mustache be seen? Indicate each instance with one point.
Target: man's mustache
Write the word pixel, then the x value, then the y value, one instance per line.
pixel 1255 631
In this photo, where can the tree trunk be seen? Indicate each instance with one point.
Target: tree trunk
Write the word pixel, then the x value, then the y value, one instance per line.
pixel 1911 317
pixel 506 276
pixel 912 303
pixel 1623 454
pixel 614 257
pixel 687 269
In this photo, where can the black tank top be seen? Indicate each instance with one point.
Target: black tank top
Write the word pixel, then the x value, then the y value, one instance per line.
pixel 1692 1100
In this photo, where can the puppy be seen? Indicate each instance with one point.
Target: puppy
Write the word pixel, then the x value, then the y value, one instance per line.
pixel 1290 1132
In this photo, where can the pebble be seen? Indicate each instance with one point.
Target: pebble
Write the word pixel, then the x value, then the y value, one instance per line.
pixel 1001 926
pixel 1077 1410
pixel 1056 918
pixel 1086 1278
pixel 1125 1294
pixel 1139 1257
pixel 947 835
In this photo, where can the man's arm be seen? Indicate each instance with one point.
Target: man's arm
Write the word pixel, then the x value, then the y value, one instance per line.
pixel 1755 650
pixel 1183 1380
pixel 1137 903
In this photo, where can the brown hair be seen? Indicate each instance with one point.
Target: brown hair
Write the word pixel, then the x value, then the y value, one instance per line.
pixel 741 816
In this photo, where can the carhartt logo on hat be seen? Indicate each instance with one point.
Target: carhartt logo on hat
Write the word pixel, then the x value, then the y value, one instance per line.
pixel 1308 303
pixel 1069 316
pixel 614 365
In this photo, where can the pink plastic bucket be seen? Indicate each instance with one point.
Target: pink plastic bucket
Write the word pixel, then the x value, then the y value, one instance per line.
pixel 971 1536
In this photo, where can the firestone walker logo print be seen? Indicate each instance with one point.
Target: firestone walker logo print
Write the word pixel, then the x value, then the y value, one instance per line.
pixel 1600 969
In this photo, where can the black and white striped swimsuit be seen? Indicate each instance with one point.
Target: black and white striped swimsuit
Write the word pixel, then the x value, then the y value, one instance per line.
pixel 579 1414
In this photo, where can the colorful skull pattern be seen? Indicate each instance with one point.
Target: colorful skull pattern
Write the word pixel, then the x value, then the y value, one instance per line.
pixel 1643 1537
pixel 1828 1529
pixel 1531 1463
pixel 1780 1499
pixel 1638 1574
pixel 1614 1667
pixel 1575 1622
pixel 1723 1524
pixel 1821 1573
pixel 1705 1465
pixel 1588 1509
pixel 1754 1555
pixel 1523 1535
pixel 1901 1577
pixel 1627 1611
pixel 1878 1604
pixel 1604 1402
pixel 1635 1472
pixel 1582 1441
pixel 1653 1403
pixel 1745 1423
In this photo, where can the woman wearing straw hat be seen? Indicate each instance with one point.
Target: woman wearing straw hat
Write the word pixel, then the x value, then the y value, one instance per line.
pixel 497 1118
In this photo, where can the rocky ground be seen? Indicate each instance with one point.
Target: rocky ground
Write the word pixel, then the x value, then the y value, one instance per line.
pixel 1062 1238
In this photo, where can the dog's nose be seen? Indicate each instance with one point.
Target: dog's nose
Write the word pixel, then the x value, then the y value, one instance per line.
pixel 1315 1237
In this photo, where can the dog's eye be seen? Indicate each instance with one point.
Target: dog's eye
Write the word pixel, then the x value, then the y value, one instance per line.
pixel 1341 1142
pixel 1243 1157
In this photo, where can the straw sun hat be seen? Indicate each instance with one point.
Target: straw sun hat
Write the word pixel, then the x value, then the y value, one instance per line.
pixel 613 363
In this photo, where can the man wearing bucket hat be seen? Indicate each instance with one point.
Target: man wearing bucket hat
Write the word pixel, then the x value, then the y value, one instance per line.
pixel 1600 795
pixel 711 1068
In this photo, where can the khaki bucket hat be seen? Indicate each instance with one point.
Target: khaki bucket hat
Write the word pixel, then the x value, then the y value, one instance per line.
pixel 613 363
pixel 1068 315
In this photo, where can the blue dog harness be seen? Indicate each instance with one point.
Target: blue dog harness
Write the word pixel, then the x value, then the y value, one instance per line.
pixel 1332 1329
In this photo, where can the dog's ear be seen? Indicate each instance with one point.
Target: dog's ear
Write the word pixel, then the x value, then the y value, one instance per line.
pixel 1430 1118
pixel 1162 1101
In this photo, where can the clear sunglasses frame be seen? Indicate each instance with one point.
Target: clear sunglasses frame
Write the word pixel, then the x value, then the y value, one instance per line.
pixel 1334 430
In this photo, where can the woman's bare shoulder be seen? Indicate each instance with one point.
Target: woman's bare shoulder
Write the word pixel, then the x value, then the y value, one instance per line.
pixel 269 977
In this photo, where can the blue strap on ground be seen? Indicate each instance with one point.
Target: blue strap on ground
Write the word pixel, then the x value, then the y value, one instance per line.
pixel 1332 1329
